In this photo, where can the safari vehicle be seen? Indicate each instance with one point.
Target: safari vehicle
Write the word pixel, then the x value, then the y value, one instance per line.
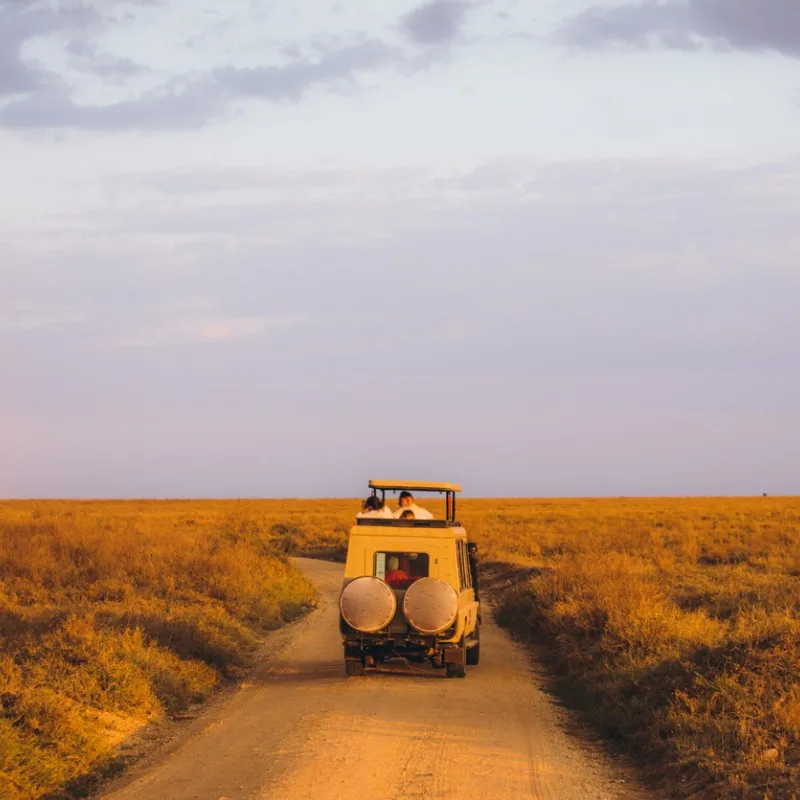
pixel 432 612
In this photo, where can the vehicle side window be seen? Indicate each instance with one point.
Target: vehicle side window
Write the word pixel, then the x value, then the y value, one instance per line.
pixel 463 572
pixel 472 564
pixel 465 562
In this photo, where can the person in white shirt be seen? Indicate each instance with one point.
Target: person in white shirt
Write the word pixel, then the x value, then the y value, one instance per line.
pixel 406 501
pixel 374 507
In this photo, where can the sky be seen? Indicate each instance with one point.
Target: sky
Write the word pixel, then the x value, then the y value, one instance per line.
pixel 535 247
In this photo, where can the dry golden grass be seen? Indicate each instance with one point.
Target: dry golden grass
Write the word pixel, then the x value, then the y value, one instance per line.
pixel 112 614
pixel 674 622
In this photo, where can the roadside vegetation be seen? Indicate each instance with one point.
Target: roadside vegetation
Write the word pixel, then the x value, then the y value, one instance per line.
pixel 116 614
pixel 672 625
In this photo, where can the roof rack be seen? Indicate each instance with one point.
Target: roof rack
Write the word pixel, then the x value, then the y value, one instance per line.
pixel 418 486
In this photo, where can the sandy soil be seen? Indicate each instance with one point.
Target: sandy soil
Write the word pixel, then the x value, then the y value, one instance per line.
pixel 300 729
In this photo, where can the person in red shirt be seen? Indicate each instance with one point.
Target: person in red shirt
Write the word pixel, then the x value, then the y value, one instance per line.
pixel 396 577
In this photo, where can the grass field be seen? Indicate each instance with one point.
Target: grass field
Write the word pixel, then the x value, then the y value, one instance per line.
pixel 674 624
pixel 112 615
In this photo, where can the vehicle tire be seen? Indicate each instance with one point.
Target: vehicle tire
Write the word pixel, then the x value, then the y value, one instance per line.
pixel 474 652
pixel 353 668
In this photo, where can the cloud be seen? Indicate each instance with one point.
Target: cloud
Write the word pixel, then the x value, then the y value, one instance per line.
pixel 196 100
pixel 294 79
pixel 44 94
pixel 20 22
pixel 88 57
pixel 40 99
pixel 29 320
pixel 207 330
pixel 174 107
pixel 748 25
pixel 202 179
pixel 435 22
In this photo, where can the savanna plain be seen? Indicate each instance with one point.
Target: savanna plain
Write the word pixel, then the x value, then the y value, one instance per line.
pixel 671 626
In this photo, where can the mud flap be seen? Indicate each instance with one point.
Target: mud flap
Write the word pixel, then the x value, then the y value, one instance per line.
pixel 353 653
pixel 455 660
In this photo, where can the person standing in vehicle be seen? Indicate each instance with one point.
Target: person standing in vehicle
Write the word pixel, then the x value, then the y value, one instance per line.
pixel 374 507
pixel 406 501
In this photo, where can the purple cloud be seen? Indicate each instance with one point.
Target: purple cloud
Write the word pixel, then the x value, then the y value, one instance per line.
pixel 688 24
pixel 191 103
pixel 293 80
pixel 436 22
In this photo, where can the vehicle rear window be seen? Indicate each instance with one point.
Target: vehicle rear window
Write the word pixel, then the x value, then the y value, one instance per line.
pixel 409 568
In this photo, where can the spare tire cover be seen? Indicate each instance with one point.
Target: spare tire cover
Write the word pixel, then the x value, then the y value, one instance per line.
pixel 367 604
pixel 430 605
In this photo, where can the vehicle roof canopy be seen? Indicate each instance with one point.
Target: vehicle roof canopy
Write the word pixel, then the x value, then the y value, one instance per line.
pixel 414 486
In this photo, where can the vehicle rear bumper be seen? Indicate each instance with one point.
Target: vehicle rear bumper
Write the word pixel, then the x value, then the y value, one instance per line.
pixel 409 646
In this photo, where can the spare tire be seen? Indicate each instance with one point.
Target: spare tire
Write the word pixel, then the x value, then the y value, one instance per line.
pixel 430 605
pixel 367 604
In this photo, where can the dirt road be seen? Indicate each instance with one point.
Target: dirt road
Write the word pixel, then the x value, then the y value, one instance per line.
pixel 301 729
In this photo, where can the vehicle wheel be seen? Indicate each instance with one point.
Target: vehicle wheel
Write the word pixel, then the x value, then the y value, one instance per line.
pixel 474 652
pixel 353 668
